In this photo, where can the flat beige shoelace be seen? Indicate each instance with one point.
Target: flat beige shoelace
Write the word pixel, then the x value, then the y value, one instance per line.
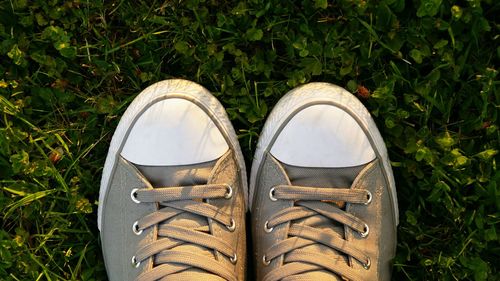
pixel 174 201
pixel 309 203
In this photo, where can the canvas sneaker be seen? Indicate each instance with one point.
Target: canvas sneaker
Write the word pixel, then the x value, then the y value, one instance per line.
pixel 322 193
pixel 173 190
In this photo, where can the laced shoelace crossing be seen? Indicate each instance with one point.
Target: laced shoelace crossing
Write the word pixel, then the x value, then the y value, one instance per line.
pixel 174 201
pixel 310 204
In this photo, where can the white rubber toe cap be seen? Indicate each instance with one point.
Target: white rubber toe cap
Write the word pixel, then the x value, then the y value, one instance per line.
pixel 174 132
pixel 322 136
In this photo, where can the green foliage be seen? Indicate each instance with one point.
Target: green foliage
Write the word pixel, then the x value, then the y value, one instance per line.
pixel 428 8
pixel 426 69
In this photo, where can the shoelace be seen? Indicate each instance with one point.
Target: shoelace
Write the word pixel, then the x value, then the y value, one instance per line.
pixel 174 201
pixel 309 204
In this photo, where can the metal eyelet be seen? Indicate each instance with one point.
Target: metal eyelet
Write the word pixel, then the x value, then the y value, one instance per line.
pixel 135 228
pixel 234 258
pixel 135 263
pixel 271 195
pixel 367 264
pixel 265 261
pixel 266 227
pixel 368 197
pixel 232 226
pixel 229 193
pixel 133 195
pixel 365 232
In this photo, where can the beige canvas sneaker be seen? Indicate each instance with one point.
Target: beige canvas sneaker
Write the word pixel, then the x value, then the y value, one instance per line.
pixel 173 190
pixel 322 194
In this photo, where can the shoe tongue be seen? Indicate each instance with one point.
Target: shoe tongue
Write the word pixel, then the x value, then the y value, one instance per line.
pixel 196 174
pixel 160 176
pixel 328 178
pixel 322 177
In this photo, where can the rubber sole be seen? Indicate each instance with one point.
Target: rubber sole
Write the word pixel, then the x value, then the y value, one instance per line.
pixel 314 94
pixel 174 88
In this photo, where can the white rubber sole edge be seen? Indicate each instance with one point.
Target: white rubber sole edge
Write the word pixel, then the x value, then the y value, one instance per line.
pixel 174 88
pixel 314 94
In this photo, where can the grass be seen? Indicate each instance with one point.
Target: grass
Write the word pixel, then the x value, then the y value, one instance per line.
pixel 426 69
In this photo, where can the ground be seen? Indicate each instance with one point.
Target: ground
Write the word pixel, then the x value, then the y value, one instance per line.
pixel 426 69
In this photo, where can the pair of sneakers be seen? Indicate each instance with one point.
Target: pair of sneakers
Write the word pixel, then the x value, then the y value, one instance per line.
pixel 174 192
